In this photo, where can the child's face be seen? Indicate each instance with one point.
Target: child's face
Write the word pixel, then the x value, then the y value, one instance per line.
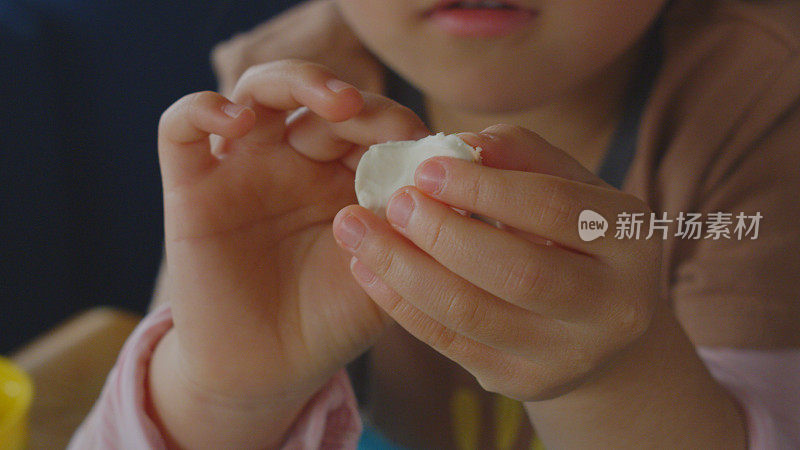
pixel 494 60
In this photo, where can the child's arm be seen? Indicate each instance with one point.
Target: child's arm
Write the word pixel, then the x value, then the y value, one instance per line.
pixel 120 416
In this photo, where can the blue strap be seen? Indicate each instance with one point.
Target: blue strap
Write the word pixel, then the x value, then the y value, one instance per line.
pixel 620 153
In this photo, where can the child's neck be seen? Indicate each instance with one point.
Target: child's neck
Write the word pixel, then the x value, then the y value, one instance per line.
pixel 581 123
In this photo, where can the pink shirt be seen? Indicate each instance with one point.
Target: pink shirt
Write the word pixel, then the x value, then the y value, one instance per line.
pixel 766 383
pixel 119 421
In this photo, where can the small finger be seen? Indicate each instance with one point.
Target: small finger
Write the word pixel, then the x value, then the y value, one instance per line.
pixel 184 129
pixel 516 148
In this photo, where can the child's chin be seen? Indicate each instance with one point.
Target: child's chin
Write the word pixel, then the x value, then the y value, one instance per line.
pixel 488 102
pixel 490 92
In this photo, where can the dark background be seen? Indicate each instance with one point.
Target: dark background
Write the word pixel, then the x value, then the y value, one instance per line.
pixel 83 85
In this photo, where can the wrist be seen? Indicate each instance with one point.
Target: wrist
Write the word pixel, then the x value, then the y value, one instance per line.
pixel 189 416
pixel 657 393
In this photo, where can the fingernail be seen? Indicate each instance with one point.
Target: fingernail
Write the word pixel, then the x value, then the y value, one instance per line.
pixel 233 110
pixel 430 176
pixel 337 85
pixel 489 135
pixel 473 139
pixel 399 209
pixel 350 232
pixel 361 272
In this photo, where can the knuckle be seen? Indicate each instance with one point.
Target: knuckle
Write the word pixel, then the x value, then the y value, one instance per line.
pixel 184 108
pixel 464 313
pixel 197 102
pixel 202 99
pixel 435 236
pixel 443 340
pixel 525 281
pixel 395 305
pixel 556 207
pixel 386 263
pixel 476 195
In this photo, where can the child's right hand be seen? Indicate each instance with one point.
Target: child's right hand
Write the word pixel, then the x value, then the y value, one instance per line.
pixel 264 306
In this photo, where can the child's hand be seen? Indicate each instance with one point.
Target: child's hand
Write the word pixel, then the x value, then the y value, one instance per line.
pixel 529 318
pixel 263 303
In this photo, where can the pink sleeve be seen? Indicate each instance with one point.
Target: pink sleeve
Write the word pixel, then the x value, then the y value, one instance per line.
pixel 118 420
pixel 767 385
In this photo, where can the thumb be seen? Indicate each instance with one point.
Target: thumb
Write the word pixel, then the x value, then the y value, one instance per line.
pixel 516 148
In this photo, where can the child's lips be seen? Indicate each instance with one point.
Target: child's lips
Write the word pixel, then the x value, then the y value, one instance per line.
pixel 479 19
pixel 476 4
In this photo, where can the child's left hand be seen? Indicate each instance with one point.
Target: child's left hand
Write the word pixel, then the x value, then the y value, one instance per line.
pixel 530 319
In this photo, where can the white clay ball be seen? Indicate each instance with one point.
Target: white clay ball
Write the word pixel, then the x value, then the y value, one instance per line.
pixel 387 167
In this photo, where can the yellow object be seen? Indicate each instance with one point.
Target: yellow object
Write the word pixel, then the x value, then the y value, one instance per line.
pixel 467 417
pixel 465 407
pixel 16 393
pixel 536 444
pixel 508 417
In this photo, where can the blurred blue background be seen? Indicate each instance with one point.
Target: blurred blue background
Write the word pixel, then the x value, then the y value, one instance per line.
pixel 83 85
